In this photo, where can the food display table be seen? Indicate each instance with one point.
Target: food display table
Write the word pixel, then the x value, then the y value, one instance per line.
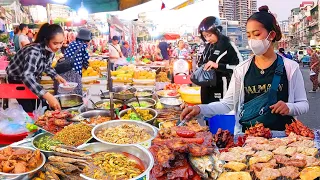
pixel 150 135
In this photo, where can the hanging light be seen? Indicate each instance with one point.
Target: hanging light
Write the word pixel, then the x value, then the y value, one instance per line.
pixel 60 1
pixel 83 12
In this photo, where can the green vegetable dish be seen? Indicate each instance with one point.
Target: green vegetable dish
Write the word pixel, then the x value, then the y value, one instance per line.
pixel 144 113
pixel 142 104
pixel 45 142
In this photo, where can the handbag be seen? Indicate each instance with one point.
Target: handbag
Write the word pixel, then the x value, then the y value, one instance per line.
pixel 258 109
pixel 201 77
pixel 66 64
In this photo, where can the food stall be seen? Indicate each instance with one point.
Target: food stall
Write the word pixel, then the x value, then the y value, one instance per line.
pixel 143 140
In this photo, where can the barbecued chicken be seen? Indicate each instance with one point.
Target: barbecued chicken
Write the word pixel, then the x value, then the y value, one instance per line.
pixel 290 161
pixel 289 172
pixel 268 174
pixel 259 166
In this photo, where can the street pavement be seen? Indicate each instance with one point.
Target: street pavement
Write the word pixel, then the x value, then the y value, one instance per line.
pixel 312 118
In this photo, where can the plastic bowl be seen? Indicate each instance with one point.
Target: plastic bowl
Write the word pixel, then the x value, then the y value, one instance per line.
pixel 190 98
pixel 69 86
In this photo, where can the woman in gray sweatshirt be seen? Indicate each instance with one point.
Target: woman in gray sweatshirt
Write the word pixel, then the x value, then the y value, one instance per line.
pixel 253 78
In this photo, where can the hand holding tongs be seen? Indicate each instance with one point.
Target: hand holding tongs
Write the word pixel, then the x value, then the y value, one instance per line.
pixel 181 123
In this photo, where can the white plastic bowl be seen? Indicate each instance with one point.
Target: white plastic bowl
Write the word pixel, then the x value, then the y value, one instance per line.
pixel 69 86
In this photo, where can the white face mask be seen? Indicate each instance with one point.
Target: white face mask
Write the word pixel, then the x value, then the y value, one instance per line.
pixel 49 49
pixel 259 47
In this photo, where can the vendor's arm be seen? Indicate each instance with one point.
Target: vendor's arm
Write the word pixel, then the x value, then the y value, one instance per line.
pixel 29 78
pixel 301 104
pixel 31 82
pixel 51 72
pixel 226 104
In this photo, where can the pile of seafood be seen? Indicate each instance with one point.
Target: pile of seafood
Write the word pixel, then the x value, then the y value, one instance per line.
pixel 54 121
pixel 14 160
pixel 124 134
pixel 185 152
pixel 66 163
pixel 290 157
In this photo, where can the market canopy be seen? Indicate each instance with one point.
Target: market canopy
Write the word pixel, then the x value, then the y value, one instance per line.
pixel 93 6
pixel 171 36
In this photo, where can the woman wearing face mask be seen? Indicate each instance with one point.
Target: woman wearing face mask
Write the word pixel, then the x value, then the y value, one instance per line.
pixel 274 84
pixel 35 59
pixel 219 54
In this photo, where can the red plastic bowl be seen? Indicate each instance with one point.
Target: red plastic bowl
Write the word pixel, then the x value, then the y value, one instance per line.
pixel 9 139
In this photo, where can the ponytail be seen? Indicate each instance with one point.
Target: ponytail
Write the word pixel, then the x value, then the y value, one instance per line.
pixel 47 32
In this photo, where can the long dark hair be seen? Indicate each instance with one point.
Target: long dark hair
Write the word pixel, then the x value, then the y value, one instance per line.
pixel 47 32
pixel 268 20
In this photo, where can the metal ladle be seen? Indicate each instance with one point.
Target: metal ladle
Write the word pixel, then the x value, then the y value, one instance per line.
pixel 95 106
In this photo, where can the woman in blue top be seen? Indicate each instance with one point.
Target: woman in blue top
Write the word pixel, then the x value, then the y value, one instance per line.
pixel 80 61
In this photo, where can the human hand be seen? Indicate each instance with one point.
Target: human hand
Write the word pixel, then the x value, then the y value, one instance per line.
pixel 61 80
pixel 280 108
pixel 52 101
pixel 183 105
pixel 210 65
pixel 190 112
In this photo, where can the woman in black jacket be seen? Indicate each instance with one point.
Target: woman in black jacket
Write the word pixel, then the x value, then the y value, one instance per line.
pixel 219 54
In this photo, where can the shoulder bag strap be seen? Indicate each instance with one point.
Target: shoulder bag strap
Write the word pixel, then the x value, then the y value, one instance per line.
pixel 272 97
pixel 115 48
pixel 75 53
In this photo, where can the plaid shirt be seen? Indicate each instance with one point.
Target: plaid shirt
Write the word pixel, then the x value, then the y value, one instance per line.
pixel 28 65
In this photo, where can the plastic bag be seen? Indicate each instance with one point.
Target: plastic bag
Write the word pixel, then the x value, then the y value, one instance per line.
pixel 40 111
pixel 204 78
pixel 13 121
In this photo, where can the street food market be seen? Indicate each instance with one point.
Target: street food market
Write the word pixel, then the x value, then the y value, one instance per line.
pixel 158 90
